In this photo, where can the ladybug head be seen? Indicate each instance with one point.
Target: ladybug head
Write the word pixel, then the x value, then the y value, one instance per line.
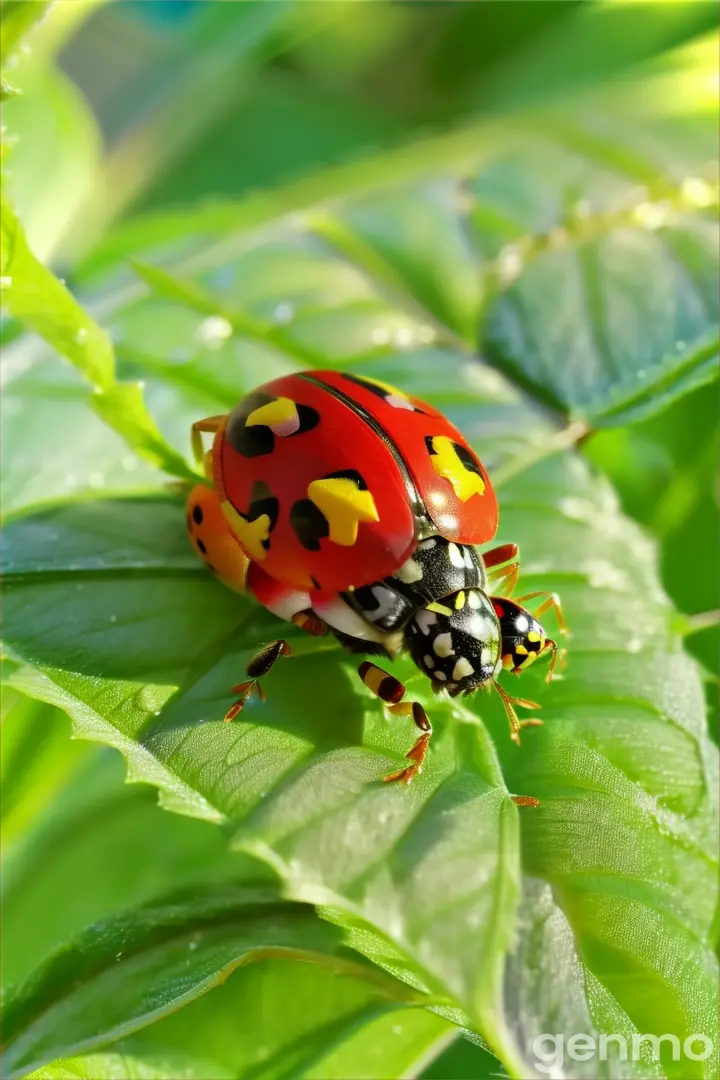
pixel 456 641
pixel 523 636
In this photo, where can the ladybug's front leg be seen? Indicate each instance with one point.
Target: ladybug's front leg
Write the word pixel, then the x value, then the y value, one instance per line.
pixel 391 692
pixel 508 574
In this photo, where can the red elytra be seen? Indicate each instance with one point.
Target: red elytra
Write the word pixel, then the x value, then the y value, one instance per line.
pixel 368 429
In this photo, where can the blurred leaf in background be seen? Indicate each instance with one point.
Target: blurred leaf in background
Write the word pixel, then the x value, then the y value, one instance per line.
pixel 510 210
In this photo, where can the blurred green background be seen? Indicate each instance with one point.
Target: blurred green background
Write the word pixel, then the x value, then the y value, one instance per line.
pixel 134 109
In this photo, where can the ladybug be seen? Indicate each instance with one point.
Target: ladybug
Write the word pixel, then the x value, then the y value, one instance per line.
pixel 344 505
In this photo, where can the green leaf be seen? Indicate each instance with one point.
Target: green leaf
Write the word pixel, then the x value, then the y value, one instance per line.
pixel 151 1064
pixel 36 760
pixel 41 302
pixel 432 877
pixel 124 973
pixel 40 397
pixel 34 295
pixel 56 150
pixel 122 406
pixel 73 819
pixel 301 1020
pixel 189 85
pixel 18 18
pixel 579 257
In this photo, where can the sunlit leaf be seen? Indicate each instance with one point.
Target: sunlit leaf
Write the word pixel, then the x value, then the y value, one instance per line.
pixel 128 971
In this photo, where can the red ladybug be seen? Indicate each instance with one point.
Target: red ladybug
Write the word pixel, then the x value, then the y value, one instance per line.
pixel 343 504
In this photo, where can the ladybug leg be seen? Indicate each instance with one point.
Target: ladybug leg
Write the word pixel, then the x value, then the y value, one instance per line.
pixel 499 555
pixel 287 603
pixel 508 574
pixel 509 704
pixel 210 425
pixel 391 692
pixel 260 665
pixel 505 580
pixel 311 623
pixel 551 602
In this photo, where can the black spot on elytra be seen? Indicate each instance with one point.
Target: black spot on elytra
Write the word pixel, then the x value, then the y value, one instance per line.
pixel 202 547
pixel 249 441
pixel 348 474
pixel 197 515
pixel 309 418
pixel 467 459
pixel 258 440
pixel 309 524
pixel 262 501
pixel 379 391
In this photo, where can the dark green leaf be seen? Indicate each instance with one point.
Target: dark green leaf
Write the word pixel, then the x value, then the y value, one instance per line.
pixel 298 1020
pixel 131 970
pixel 71 818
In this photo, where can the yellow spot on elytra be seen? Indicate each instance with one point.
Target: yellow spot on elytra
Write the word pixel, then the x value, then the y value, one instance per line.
pixel 445 462
pixel 281 416
pixel 533 635
pixel 460 601
pixel 521 649
pixel 344 505
pixel 250 533
pixel 439 608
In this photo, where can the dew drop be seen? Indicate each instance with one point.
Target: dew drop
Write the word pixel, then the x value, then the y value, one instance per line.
pixel 697 191
pixel 284 312
pixel 81 336
pixel 404 336
pixel 509 264
pixel 652 215
pixel 213 331
pixel 380 335
pixel 5 281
